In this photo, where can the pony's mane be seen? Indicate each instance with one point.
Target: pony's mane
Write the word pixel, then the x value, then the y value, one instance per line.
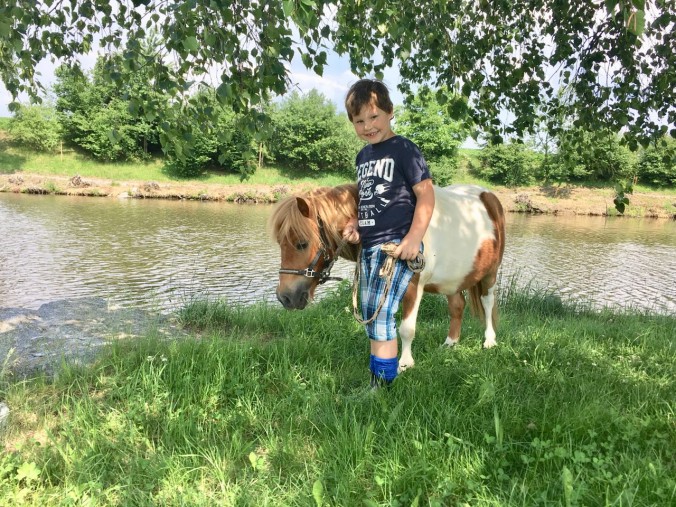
pixel 334 205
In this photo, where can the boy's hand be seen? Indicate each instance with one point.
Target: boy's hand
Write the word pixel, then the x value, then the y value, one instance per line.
pixel 408 249
pixel 351 231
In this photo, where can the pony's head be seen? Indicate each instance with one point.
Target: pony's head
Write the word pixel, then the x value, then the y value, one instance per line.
pixel 308 231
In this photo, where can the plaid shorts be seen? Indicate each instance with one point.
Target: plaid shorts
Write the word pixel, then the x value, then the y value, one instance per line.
pixel 383 328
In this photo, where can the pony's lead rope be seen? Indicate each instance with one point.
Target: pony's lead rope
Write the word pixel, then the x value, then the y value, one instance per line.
pixel 386 271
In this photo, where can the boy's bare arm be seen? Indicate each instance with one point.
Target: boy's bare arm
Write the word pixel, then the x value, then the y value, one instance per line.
pixel 410 246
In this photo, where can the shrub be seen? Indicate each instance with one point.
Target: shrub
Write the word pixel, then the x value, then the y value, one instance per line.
pixel 593 156
pixel 657 163
pixel 427 123
pixel 507 164
pixel 308 135
pixel 35 127
pixel 443 170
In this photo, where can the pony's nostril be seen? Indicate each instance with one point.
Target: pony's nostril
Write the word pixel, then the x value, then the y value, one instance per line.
pixel 284 299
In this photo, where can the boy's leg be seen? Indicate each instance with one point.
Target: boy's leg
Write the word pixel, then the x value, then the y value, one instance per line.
pixel 384 364
pixel 382 331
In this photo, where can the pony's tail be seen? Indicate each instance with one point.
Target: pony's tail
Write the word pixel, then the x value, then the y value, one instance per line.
pixel 475 305
pixel 477 308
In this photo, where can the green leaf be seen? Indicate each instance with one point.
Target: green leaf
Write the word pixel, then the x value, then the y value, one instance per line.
pixel 5 29
pixel 287 7
pixel 318 492
pixel 634 21
pixel 133 107
pixel 114 136
pixel 28 471
pixel 190 43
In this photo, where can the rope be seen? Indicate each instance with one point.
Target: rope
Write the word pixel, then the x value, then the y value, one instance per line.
pixel 386 271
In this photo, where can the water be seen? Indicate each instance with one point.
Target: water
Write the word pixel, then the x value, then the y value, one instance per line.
pixel 161 254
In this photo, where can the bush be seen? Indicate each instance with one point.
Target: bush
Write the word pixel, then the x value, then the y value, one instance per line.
pixel 508 164
pixel 35 127
pixel 229 146
pixel 110 133
pixel 593 156
pixel 657 164
pixel 308 135
pixel 443 170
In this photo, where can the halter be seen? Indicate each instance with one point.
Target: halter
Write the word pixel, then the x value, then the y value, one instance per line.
pixel 325 273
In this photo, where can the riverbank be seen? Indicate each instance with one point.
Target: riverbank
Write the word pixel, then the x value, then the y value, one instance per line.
pixel 565 200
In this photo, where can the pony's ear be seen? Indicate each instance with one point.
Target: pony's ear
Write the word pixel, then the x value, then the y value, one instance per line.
pixel 303 207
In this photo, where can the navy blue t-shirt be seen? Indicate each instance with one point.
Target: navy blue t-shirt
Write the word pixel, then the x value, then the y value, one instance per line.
pixel 386 174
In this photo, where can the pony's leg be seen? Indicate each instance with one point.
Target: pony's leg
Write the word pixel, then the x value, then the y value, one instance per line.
pixel 456 307
pixel 409 317
pixel 488 302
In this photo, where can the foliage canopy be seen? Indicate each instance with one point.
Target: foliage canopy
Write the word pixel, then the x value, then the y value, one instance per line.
pixel 615 60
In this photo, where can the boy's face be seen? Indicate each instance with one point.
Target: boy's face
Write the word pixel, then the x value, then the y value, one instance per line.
pixel 372 124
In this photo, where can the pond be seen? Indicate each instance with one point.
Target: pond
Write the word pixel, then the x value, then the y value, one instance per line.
pixel 161 254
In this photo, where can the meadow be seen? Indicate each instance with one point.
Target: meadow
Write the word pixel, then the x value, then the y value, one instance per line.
pixel 266 407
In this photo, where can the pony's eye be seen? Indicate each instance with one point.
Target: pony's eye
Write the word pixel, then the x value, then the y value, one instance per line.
pixel 301 245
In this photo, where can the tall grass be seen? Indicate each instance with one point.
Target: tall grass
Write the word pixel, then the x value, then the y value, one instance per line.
pixel 269 407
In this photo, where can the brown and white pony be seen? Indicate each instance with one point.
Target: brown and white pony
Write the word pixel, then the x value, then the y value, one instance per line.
pixel 464 245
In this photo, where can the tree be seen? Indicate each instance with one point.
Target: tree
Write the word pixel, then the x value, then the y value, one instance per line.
pixel 424 120
pixel 616 58
pixel 307 134
pixel 108 118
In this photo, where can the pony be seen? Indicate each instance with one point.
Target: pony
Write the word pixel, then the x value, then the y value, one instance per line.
pixel 464 245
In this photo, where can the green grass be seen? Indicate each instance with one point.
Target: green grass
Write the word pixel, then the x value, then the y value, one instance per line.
pixel 269 407
pixel 17 159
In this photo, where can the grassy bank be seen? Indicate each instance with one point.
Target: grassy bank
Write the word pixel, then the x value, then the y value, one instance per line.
pixel 14 159
pixel 269 407
pixel 72 174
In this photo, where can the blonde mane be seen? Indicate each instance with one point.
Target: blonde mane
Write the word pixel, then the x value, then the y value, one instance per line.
pixel 334 205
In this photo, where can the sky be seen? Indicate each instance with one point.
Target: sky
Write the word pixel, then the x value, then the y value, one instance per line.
pixel 333 84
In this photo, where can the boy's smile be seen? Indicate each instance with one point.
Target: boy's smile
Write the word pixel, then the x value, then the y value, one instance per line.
pixel 372 124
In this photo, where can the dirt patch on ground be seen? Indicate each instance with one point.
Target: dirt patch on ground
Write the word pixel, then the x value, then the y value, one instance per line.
pixel 572 200
pixel 568 200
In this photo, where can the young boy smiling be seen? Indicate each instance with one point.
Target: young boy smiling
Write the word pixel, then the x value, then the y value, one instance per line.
pixel 396 200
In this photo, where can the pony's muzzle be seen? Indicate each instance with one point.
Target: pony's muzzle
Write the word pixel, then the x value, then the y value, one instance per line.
pixel 293 299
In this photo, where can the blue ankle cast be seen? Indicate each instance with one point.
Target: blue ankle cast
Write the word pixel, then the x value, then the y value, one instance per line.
pixel 384 368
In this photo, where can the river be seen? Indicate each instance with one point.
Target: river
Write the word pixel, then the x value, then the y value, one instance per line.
pixel 161 254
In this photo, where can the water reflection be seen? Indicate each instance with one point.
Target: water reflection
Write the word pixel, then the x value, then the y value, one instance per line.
pixel 163 253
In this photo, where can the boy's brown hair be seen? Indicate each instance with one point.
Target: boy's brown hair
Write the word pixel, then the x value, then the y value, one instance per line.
pixel 365 92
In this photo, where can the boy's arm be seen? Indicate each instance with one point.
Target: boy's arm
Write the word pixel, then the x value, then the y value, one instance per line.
pixel 409 247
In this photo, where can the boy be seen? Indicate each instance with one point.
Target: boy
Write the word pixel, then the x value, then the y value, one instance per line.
pixel 396 200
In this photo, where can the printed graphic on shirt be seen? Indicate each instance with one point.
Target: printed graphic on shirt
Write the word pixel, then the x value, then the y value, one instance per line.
pixel 386 174
pixel 371 191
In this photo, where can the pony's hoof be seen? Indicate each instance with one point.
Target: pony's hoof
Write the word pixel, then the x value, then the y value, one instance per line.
pixel 450 342
pixel 403 367
pixel 489 344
